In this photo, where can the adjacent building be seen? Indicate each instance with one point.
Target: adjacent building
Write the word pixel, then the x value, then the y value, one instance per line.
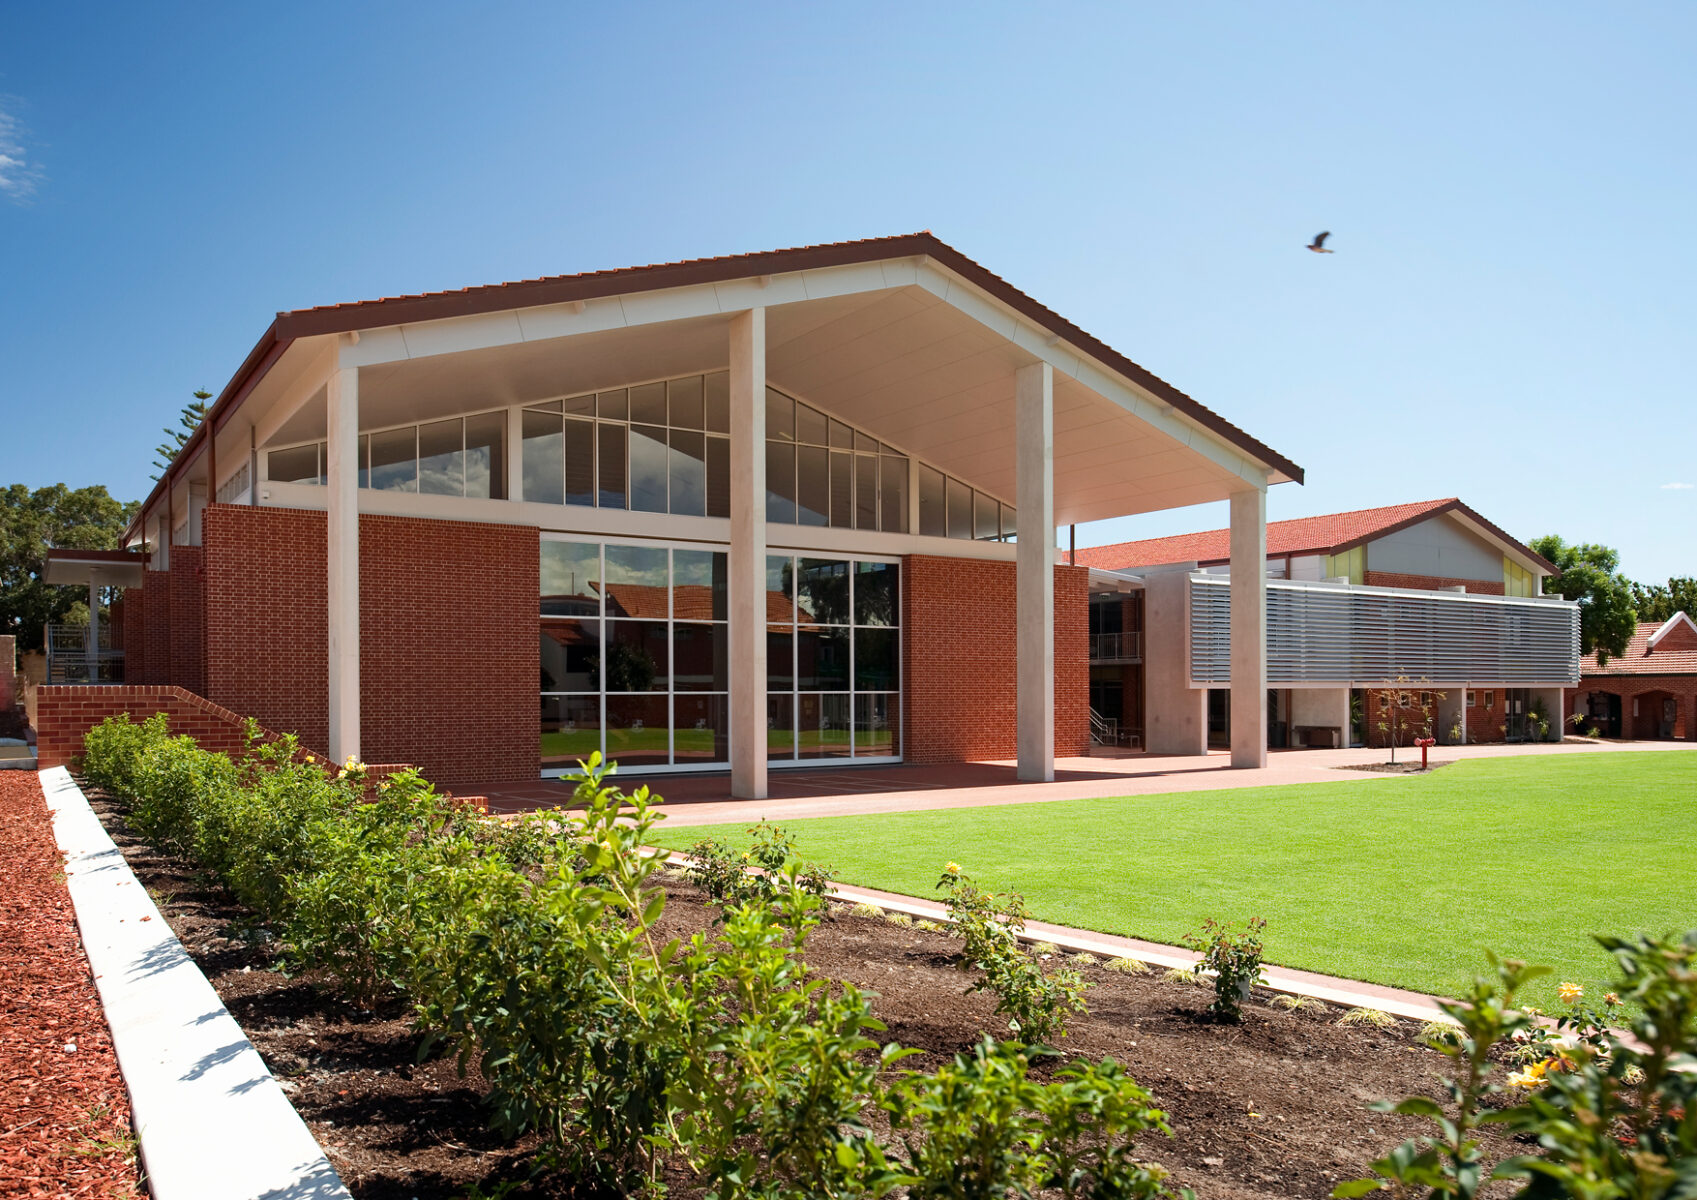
pixel 1412 615
pixel 1648 692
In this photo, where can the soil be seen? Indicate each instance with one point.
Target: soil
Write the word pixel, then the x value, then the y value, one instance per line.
pixel 64 1114
pixel 1396 768
pixel 1274 1107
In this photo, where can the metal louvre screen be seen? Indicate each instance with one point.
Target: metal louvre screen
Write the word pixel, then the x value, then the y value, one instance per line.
pixel 1322 634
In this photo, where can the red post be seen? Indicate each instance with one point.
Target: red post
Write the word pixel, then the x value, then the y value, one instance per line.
pixel 1425 744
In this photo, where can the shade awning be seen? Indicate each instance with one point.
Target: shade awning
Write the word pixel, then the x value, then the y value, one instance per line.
pixel 108 568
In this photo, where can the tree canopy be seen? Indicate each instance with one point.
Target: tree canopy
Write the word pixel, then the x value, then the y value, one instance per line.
pixel 175 438
pixel 1658 602
pixel 31 523
pixel 1590 574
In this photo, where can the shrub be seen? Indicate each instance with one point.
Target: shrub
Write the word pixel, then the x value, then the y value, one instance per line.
pixel 1300 1003
pixel 1037 1004
pixel 1373 1017
pixel 1233 959
pixel 112 750
pixel 1126 966
pixel 731 878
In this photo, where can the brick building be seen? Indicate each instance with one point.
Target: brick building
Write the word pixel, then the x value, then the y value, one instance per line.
pixel 1431 593
pixel 746 513
pixel 1648 692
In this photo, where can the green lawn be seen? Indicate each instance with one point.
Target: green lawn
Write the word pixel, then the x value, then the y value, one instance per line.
pixel 1398 881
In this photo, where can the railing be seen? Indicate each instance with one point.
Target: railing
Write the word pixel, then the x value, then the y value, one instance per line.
pixel 1106 731
pixel 1116 647
pixel 71 659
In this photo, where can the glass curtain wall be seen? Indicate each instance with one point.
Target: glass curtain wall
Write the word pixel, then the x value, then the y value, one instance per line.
pixel 833 658
pixel 634 655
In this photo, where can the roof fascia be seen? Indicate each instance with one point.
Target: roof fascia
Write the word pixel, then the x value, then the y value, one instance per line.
pixel 1668 626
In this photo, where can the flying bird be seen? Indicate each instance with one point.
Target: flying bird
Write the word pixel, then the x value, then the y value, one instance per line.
pixel 1318 245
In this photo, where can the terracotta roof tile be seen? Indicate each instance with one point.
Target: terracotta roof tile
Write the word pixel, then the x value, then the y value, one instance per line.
pixel 1676 654
pixel 1326 534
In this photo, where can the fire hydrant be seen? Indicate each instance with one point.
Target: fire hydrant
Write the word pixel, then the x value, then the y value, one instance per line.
pixel 1424 744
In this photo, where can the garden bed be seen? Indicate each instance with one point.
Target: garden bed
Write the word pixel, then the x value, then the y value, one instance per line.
pixel 64 1113
pixel 1275 1107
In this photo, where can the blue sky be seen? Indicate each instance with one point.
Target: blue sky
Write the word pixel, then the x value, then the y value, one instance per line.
pixel 1509 316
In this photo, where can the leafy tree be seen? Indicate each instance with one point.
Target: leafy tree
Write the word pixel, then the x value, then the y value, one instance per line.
pixel 31 523
pixel 1658 602
pixel 1590 574
pixel 175 439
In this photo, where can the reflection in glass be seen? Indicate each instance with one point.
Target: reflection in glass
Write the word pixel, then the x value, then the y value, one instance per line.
pixel 541 450
pixel 821 659
pixel 780 483
pixel 810 426
pixel 583 406
pixel 984 523
pixel 298 465
pixel 394 460
pixel 933 503
pixel 780 726
pixel 780 416
pixel 647 468
pixel 893 491
pixel 611 459
pixel 637 735
pixel 1010 522
pixel 960 509
pixel 486 456
pixel 842 489
pixel 571 575
pixel 441 458
pixel 866 491
pixel 875 725
pixel 571 656
pixel 580 461
pixel 688 471
pixel 718 477
pixel 636 657
pixel 842 437
pixel 876 655
pixel 648 404
pixel 780 658
pixel 877 593
pixel 699 585
pixel 636 581
pixel 612 406
pixel 701 729
pixel 683 403
pixel 780 588
pixel 822 726
pixel 823 590
pixel 813 485
pixel 717 401
pixel 699 658
pixel 571 729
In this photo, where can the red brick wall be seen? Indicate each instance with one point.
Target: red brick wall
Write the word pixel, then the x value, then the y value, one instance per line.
pixel 1391 579
pixel 156 628
pixel 1683 688
pixel 188 619
pixel 448 636
pixel 135 636
pixel 958 655
pixel 64 714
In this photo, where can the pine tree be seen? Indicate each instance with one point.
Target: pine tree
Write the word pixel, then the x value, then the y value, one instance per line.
pixel 192 416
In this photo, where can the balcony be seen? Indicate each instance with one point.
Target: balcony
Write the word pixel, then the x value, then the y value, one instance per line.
pixel 72 658
pixel 1108 648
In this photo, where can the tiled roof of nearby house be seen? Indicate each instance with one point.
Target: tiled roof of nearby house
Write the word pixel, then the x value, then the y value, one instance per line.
pixel 1332 533
pixel 588 285
pixel 1675 652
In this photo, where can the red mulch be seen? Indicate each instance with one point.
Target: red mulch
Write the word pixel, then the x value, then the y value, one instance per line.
pixel 64 1114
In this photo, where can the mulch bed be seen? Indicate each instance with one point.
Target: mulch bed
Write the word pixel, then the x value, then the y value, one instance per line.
pixel 1275 1107
pixel 64 1114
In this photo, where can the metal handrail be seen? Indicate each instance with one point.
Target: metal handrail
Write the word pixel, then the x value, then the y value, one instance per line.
pixel 1117 647
pixel 70 659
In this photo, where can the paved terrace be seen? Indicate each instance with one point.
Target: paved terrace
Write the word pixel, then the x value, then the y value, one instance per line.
pixel 832 790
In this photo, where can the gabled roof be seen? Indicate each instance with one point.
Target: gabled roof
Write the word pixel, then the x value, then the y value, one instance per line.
pixel 564 289
pixel 1332 533
pixel 1657 648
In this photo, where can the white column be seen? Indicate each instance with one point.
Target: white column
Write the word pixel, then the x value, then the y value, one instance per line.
pixel 748 555
pixel 93 649
pixel 1034 433
pixel 342 521
pixel 1249 627
pixel 515 453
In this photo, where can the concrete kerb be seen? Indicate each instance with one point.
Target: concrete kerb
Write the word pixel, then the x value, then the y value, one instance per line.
pixel 1348 993
pixel 211 1120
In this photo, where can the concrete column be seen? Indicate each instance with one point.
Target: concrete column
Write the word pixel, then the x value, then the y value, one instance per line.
pixel 515 453
pixel 342 530
pixel 748 555
pixel 1249 627
pixel 1034 434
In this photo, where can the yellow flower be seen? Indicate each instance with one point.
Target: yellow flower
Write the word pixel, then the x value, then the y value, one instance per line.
pixel 951 868
pixel 1529 1076
pixel 1570 992
pixel 311 759
pixel 1610 999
